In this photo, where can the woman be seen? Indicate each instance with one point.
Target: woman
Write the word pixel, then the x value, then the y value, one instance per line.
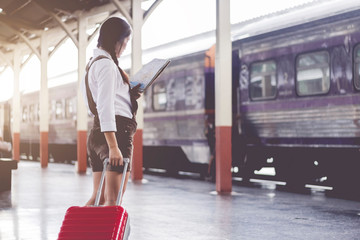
pixel 113 103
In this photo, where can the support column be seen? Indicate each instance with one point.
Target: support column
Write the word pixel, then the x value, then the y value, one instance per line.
pixel 16 106
pixel 223 103
pixel 44 103
pixel 136 57
pixel 82 116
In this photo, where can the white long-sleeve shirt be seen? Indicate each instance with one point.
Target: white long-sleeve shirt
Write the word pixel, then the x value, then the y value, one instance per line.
pixel 109 91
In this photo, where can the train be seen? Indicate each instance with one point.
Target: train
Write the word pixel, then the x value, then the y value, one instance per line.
pixel 295 107
pixel 62 123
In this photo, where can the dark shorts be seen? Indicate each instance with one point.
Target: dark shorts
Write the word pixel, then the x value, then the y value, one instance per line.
pixel 98 149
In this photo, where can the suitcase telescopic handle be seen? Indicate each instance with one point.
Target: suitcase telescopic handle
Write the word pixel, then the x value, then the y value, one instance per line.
pixel 120 195
pixel 119 198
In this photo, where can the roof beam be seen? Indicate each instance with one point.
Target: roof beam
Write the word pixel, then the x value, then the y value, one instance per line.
pixel 17 23
pixel 5 67
pixel 66 29
pixel 5 59
pixel 26 61
pixel 17 8
pixel 61 42
pixel 25 39
pixel 6 44
pixel 121 8
pixel 31 46
pixel 95 16
pixel 98 10
pixel 151 10
pixel 92 36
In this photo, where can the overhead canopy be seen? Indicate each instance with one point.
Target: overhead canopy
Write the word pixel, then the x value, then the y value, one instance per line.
pixel 23 21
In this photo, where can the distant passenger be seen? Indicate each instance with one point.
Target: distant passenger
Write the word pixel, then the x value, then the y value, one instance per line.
pixel 107 91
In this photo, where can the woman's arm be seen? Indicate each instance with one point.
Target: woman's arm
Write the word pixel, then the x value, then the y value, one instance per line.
pixel 115 155
pixel 106 91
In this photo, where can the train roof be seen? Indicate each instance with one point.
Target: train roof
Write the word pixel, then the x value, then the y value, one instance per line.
pixel 303 15
pixel 316 13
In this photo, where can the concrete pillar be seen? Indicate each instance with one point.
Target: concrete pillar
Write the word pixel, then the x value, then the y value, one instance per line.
pixel 82 116
pixel 16 105
pixel 223 103
pixel 136 57
pixel 44 103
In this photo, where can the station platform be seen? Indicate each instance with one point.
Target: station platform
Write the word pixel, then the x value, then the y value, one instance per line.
pixel 166 208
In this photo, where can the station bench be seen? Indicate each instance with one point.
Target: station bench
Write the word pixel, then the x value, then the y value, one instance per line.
pixel 6 165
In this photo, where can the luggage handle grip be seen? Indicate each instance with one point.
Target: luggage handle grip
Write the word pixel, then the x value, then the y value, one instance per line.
pixel 119 198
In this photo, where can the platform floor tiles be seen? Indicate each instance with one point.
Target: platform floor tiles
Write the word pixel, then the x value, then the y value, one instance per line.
pixel 183 208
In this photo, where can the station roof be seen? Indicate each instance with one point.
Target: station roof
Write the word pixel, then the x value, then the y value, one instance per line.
pixel 23 21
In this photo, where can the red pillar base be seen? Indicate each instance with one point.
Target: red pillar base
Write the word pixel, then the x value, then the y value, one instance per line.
pixel 137 161
pixel 16 146
pixel 44 149
pixel 223 160
pixel 81 151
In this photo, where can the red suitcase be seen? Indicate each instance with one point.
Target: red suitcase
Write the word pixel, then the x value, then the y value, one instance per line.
pixel 97 222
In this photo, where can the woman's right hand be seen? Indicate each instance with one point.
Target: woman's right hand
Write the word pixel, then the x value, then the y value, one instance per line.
pixel 115 156
pixel 135 91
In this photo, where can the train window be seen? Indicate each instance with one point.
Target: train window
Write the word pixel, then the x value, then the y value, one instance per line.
pixel 25 114
pixel 37 115
pixel 194 89
pixel 58 110
pixel 159 96
pixel 190 96
pixel 31 113
pixel 357 67
pixel 52 108
pixel 313 73
pixel 69 108
pixel 263 80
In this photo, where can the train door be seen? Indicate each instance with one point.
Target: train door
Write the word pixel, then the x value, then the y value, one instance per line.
pixel 237 138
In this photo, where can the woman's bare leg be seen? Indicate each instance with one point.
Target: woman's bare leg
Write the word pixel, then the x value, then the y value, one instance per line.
pixel 112 188
pixel 96 183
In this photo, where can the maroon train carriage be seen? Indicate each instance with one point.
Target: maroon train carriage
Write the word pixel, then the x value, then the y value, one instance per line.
pixel 299 102
pixel 296 106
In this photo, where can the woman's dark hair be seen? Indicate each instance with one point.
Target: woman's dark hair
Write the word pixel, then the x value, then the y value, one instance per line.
pixel 114 30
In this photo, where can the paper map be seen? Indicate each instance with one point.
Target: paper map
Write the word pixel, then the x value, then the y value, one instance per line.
pixel 149 73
